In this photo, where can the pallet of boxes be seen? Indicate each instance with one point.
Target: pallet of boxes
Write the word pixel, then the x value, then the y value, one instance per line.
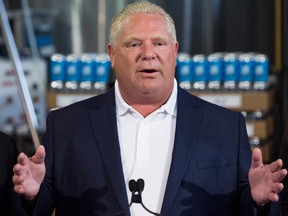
pixel 238 81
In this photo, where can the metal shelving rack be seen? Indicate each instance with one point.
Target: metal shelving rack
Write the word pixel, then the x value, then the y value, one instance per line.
pixel 15 59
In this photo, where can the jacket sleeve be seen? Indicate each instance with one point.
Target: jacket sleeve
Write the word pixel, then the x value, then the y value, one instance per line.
pixel 284 156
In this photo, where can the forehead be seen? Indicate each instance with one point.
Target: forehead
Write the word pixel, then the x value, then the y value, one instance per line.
pixel 144 22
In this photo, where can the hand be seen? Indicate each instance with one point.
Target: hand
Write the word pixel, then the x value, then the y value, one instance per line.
pixel 29 173
pixel 265 179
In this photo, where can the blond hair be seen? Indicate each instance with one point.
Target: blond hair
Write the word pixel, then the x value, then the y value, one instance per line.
pixel 140 8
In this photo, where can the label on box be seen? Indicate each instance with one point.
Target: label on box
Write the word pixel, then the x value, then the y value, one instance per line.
pixel 66 99
pixel 227 100
pixel 250 129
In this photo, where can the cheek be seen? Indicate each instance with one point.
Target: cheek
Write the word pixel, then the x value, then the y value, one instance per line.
pixel 169 61
pixel 123 58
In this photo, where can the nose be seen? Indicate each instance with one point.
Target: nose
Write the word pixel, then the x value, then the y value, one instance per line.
pixel 148 52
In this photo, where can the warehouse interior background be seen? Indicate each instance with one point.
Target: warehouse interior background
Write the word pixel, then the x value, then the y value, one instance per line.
pixel 42 29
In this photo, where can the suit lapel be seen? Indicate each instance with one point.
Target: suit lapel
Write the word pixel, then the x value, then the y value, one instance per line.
pixel 188 120
pixel 187 124
pixel 103 120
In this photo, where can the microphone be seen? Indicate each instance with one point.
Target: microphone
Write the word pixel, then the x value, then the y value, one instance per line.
pixel 140 188
pixel 136 189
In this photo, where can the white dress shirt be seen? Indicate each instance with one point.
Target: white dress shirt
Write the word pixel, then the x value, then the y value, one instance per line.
pixel 146 148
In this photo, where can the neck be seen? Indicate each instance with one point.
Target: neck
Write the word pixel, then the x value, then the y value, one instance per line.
pixel 145 109
pixel 146 104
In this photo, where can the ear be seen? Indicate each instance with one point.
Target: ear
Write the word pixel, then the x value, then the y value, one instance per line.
pixel 176 46
pixel 111 53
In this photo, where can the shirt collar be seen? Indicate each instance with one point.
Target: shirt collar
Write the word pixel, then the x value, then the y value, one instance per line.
pixel 169 107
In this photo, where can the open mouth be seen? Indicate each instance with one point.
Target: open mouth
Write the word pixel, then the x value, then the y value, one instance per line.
pixel 148 70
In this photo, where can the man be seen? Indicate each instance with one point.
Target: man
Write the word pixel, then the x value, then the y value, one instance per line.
pixel 8 158
pixel 284 154
pixel 194 156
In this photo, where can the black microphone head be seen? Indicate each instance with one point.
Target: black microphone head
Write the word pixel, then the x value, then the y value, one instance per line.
pixel 132 185
pixel 140 185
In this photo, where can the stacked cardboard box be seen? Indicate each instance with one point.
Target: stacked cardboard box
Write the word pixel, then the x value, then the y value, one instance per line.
pixel 257 106
pixel 61 99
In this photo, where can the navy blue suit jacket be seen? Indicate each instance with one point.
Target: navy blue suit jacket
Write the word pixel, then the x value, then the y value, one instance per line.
pixel 8 158
pixel 208 174
pixel 284 156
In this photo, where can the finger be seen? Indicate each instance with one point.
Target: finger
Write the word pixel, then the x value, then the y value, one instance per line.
pixel 277 188
pixel 17 169
pixel 17 180
pixel 39 155
pixel 276 165
pixel 256 158
pixel 19 189
pixel 20 167
pixel 279 175
pixel 22 158
pixel 273 197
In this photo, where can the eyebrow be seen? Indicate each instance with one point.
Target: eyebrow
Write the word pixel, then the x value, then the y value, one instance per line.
pixel 130 38
pixel 160 37
pixel 156 37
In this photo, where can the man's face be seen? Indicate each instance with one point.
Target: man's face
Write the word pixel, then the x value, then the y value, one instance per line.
pixel 144 57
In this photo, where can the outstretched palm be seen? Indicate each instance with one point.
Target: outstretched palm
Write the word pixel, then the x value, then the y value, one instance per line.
pixel 265 179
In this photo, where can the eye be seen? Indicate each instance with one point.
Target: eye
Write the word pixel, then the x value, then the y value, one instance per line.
pixel 134 44
pixel 160 43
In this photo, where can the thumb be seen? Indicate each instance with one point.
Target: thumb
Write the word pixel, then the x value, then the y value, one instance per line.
pixel 39 156
pixel 256 158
